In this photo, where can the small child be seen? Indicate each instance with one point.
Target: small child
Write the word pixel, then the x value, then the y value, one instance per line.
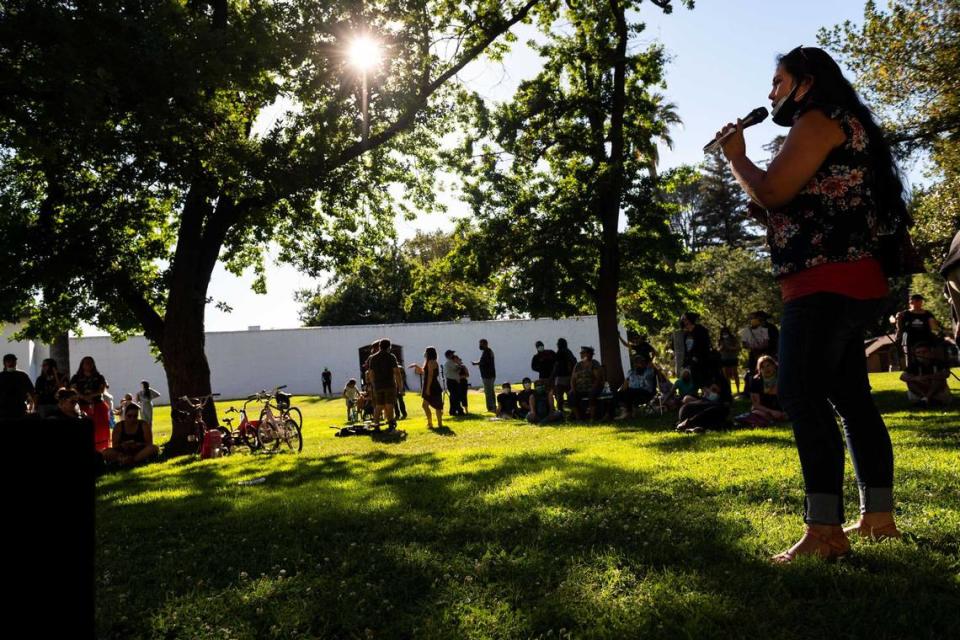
pixel 352 395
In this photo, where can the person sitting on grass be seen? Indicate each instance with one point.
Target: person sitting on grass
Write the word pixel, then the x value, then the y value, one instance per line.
pixel 506 402
pixel 684 387
pixel 587 384
pixel 710 411
pixel 351 396
pixel 132 440
pixel 542 409
pixel 765 405
pixel 638 388
pixel 926 378
pixel 523 399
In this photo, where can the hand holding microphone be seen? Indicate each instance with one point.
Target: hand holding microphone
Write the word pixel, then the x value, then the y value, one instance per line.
pixel 730 138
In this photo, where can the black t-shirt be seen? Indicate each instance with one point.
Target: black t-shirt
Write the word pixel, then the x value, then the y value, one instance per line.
pixel 383 364
pixel 543 362
pixel 916 326
pixel 642 349
pixel 565 363
pixel 47 390
pixel 507 401
pixel 523 399
pixel 14 388
pixel 773 334
pixel 768 400
pixel 87 385
pixel 327 376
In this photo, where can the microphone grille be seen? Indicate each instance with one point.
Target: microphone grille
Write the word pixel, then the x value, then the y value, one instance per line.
pixel 757 115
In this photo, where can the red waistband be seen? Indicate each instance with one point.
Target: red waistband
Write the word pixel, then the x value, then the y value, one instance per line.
pixel 861 279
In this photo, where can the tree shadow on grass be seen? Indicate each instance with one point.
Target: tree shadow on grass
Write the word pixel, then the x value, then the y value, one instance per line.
pixel 508 547
pixel 682 442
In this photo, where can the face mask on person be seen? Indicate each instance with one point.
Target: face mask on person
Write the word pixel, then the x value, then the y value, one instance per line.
pixel 540 349
pixel 712 396
pixel 784 111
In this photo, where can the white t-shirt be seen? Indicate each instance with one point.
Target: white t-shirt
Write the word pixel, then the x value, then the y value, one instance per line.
pixel 757 338
pixel 145 400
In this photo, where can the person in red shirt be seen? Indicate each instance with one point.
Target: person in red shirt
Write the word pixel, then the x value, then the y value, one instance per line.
pixel 825 200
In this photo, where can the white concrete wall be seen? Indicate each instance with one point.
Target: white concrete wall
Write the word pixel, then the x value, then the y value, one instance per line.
pixel 29 354
pixel 243 362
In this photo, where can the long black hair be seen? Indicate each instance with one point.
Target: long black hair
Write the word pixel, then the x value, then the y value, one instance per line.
pixel 831 88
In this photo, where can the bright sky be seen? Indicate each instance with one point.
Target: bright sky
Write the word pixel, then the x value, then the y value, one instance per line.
pixel 723 55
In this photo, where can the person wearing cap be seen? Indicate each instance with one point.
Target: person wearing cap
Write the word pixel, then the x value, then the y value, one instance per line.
pixel 16 390
pixel 132 441
pixel 451 373
pixel 915 326
pixel 543 362
pixel 587 384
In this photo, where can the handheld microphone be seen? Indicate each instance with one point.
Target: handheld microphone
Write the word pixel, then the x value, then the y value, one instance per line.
pixel 756 116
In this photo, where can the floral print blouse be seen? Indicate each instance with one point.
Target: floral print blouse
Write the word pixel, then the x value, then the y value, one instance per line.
pixel 833 218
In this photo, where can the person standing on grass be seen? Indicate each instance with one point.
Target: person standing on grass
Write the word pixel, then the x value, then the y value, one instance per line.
pixel 401 408
pixel 145 398
pixel 488 373
pixel 729 347
pixel 543 362
pixel 464 384
pixel 697 347
pixel 451 375
pixel 562 370
pixel 327 378
pixel 825 200
pixel 16 390
pixel 90 385
pixel 431 392
pixel 383 370
pixel 48 383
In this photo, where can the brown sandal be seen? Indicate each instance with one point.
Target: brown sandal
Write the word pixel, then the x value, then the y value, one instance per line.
pixel 836 549
pixel 878 533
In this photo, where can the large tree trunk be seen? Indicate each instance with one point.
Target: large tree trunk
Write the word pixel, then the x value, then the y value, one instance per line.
pixel 609 199
pixel 188 373
pixel 607 324
pixel 60 351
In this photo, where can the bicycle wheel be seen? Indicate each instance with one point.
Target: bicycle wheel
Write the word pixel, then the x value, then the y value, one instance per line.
pixel 291 435
pixel 226 440
pixel 267 433
pixel 250 437
pixel 296 416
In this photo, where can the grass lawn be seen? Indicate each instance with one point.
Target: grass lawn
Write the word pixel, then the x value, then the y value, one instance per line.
pixel 504 530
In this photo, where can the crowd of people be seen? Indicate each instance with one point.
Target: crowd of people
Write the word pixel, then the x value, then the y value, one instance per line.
pixel 702 392
pixel 121 436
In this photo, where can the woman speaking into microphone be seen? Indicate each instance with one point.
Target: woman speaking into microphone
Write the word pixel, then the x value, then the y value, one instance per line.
pixel 824 200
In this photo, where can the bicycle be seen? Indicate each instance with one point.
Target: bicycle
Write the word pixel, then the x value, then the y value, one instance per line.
pixel 247 429
pixel 194 411
pixel 284 426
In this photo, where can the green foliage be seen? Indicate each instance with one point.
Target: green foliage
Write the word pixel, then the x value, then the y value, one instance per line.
pixel 419 281
pixel 550 173
pixel 507 531
pixel 143 142
pixel 730 283
pixel 907 63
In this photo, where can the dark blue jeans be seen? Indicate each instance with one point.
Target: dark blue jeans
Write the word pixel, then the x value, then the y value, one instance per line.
pixel 823 368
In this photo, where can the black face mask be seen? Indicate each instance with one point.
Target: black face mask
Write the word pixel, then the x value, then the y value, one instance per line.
pixel 784 112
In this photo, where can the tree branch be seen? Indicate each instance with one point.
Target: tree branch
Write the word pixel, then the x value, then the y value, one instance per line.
pixel 427 90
